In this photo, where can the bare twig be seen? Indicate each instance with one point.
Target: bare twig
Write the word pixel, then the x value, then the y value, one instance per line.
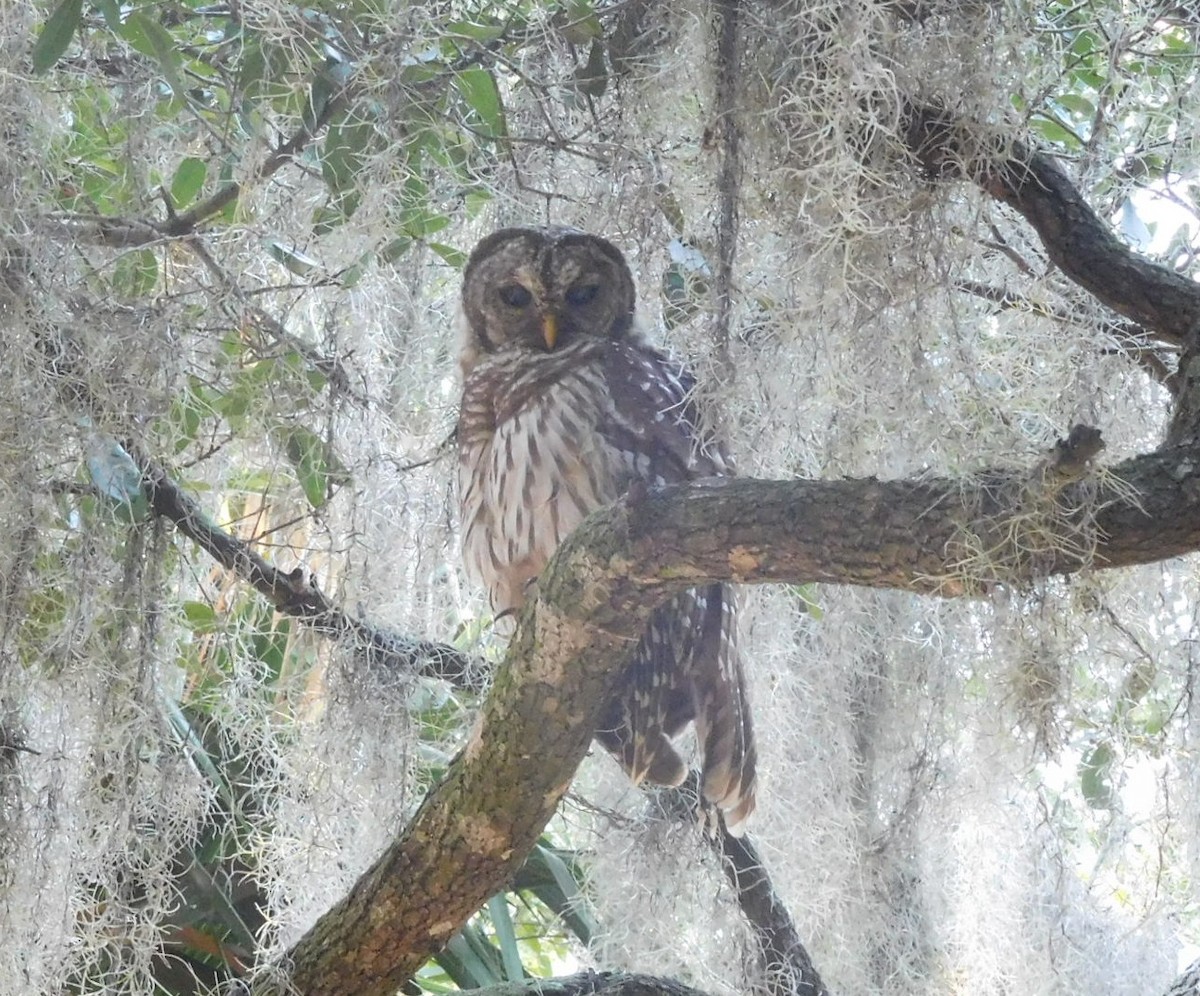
pixel 1133 340
pixel 728 177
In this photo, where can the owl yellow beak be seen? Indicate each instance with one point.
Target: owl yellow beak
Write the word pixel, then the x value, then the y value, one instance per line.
pixel 550 329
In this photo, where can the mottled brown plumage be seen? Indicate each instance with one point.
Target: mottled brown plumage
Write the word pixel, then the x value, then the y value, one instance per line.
pixel 564 406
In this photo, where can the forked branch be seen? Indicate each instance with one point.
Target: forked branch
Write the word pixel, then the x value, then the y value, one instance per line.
pixel 475 829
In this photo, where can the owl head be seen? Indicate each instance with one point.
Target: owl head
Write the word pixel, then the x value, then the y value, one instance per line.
pixel 542 289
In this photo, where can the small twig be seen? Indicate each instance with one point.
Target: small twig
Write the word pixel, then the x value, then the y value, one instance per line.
pixel 728 177
pixel 441 451
pixel 1134 338
pixel 1000 244
pixel 330 367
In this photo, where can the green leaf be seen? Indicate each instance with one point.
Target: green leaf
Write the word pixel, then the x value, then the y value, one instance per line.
pixel 474 32
pixel 56 34
pixel 293 259
pixel 478 88
pixel 151 39
pixel 200 617
pixel 111 11
pixel 455 257
pixel 547 875
pixel 270 646
pixel 346 151
pixel 476 200
pixel 808 595
pixel 577 22
pixel 506 935
pixel 1052 131
pixel 135 274
pixel 317 468
pixel 1085 44
pixel 1077 104
pixel 467 963
pixel 1095 776
pixel 183 419
pixel 352 274
pixel 336 212
pixel 395 249
pixel 188 179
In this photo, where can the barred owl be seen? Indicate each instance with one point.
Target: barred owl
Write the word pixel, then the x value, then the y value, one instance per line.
pixel 564 406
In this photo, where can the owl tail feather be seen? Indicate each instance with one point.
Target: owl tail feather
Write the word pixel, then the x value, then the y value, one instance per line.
pixel 723 722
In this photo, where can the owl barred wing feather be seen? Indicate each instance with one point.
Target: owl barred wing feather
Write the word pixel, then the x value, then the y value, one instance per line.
pixel 686 666
pixel 563 409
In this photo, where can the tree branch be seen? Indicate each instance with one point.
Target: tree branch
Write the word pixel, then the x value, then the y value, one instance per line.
pixel 1132 339
pixel 941 537
pixel 1076 239
pixel 937 536
pixel 785 961
pixel 295 594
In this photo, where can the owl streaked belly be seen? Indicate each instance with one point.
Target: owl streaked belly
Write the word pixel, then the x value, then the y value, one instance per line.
pixel 546 466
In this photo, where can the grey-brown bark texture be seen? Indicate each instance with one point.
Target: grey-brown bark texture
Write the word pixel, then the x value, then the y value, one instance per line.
pixel 475 829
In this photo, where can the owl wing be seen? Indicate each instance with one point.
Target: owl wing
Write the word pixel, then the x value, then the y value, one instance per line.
pixel 686 666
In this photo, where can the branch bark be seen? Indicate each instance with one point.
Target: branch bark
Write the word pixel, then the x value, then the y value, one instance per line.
pixel 786 964
pixel 942 537
pixel 786 961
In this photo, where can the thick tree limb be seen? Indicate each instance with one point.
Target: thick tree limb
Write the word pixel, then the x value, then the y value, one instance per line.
pixel 938 536
pixel 1076 239
pixel 475 829
pixel 935 536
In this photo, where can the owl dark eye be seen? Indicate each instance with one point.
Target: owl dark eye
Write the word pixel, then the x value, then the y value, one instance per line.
pixel 515 296
pixel 579 296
